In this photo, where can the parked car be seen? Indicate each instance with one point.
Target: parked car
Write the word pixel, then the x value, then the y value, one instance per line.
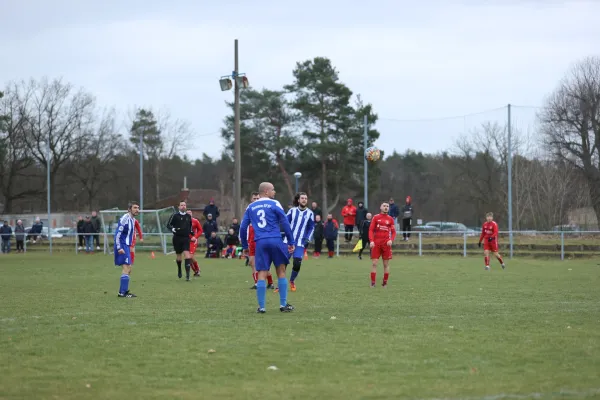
pixel 453 227
pixel 44 234
pixel 427 229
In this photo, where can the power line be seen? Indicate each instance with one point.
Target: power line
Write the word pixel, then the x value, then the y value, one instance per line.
pixel 443 118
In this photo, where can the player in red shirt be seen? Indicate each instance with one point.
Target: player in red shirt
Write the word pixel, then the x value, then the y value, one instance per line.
pixel 137 231
pixel 196 233
pixel 489 236
pixel 252 251
pixel 382 233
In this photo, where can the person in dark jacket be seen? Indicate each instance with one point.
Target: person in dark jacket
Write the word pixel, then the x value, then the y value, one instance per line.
pixel 6 235
pixel 214 246
pixel 97 225
pixel 20 236
pixel 318 236
pixel 235 225
pixel 88 232
pixel 212 209
pixel 316 209
pixel 330 230
pixel 232 241
pixel 407 216
pixel 209 227
pixel 361 215
pixel 364 234
pixel 80 236
pixel 36 230
pixel 394 212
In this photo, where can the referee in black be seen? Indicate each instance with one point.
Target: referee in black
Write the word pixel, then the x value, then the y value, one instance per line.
pixel 180 224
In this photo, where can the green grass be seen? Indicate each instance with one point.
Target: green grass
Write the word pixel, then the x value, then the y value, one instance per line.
pixel 443 329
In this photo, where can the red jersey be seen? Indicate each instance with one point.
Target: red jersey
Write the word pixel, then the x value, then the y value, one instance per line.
pixel 250 235
pixel 196 229
pixel 349 214
pixel 489 230
pixel 382 229
pixel 137 231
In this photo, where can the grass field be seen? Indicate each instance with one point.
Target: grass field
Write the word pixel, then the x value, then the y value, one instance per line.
pixel 444 328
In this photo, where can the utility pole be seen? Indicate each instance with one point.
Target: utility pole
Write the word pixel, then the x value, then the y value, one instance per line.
pixel 366 165
pixel 238 151
pixel 509 161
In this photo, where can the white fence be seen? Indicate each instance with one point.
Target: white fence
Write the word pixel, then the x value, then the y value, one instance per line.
pixel 444 243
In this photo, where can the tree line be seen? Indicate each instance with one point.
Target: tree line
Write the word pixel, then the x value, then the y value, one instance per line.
pixel 314 125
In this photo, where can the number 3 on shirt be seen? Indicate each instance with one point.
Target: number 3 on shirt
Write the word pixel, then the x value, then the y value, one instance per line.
pixel 262 222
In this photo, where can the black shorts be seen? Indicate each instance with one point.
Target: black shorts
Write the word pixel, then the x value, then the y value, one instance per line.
pixel 181 244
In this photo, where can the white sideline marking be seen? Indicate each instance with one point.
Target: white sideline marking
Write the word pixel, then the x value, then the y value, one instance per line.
pixel 535 395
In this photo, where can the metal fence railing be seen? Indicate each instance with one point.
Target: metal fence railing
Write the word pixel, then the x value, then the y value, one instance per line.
pixel 563 245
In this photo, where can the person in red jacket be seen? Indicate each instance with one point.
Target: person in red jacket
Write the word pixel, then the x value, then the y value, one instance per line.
pixel 382 233
pixel 194 236
pixel 489 237
pixel 137 231
pixel 349 214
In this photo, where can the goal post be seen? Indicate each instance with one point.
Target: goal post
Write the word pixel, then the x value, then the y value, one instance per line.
pixel 153 223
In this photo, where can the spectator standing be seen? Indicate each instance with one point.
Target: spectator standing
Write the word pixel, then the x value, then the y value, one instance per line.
pixel 318 236
pixel 88 232
pixel 97 225
pixel 214 246
pixel 36 230
pixel 80 235
pixel 407 215
pixel 209 227
pixel 235 225
pixel 394 212
pixel 20 236
pixel 349 214
pixel 6 235
pixel 361 215
pixel 363 230
pixel 316 210
pixel 212 209
pixel 330 230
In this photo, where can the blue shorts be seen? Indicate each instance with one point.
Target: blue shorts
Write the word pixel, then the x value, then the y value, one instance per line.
pixel 298 252
pixel 270 251
pixel 122 259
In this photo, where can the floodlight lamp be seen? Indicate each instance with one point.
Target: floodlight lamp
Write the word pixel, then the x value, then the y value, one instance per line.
pixel 298 175
pixel 226 84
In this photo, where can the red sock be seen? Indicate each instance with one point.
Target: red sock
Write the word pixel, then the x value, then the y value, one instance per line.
pixel 487 261
pixel 386 275
pixel 500 260
pixel 373 277
pixel 331 254
pixel 255 277
pixel 195 267
pixel 269 279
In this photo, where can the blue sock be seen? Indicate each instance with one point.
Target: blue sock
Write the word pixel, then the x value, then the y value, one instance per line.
pixel 261 292
pixel 124 283
pixel 283 287
pixel 294 275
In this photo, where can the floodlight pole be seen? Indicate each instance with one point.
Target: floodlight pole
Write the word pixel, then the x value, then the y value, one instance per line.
pixel 49 194
pixel 509 161
pixel 237 145
pixel 142 176
pixel 366 165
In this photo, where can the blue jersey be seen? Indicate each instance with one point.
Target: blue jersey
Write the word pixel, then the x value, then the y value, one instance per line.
pixel 124 232
pixel 302 223
pixel 266 216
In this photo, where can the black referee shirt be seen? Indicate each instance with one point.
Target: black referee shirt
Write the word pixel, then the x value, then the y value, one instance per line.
pixel 180 224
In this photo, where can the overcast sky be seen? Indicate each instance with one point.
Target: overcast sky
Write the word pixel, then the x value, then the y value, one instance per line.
pixel 412 62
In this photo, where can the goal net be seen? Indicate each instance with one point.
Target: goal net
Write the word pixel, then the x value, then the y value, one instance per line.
pixel 153 223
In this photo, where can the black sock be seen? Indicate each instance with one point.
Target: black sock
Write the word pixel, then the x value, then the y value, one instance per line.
pixel 187 267
pixel 179 268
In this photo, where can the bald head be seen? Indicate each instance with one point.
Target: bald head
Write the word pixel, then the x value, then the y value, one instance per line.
pixel 266 189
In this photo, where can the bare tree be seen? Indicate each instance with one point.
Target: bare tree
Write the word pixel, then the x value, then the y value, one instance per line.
pixel 95 157
pixel 57 118
pixel 571 123
pixel 17 172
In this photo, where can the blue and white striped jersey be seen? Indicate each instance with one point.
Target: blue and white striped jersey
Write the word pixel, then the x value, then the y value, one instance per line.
pixel 124 232
pixel 302 223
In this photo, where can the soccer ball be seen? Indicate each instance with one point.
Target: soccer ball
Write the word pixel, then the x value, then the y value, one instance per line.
pixel 372 154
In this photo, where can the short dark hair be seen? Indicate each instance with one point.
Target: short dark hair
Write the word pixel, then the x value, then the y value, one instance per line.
pixel 183 201
pixel 296 201
pixel 131 204
pixel 254 194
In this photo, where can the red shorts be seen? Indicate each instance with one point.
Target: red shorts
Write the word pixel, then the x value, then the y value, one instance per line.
pixel 490 246
pixel 252 249
pixel 193 246
pixel 381 250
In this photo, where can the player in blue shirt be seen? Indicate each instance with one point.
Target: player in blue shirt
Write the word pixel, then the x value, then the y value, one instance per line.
pixel 123 239
pixel 302 221
pixel 266 215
